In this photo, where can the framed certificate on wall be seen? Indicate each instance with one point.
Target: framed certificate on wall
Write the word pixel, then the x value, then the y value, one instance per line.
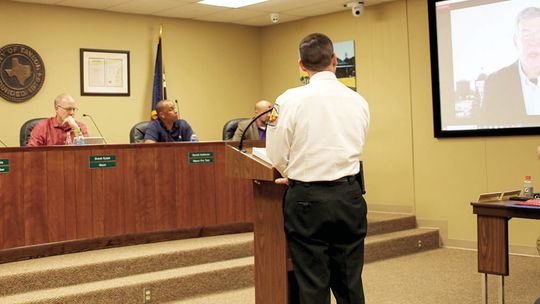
pixel 104 72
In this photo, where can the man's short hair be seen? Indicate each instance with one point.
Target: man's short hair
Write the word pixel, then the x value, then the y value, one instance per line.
pixel 316 52
pixel 61 97
pixel 527 13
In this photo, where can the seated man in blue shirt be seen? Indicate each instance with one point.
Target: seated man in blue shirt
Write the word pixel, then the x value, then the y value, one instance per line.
pixel 167 127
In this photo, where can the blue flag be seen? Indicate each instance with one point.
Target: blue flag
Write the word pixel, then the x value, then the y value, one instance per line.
pixel 159 91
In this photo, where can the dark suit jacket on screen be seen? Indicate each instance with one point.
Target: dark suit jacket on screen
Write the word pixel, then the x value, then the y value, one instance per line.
pixel 503 99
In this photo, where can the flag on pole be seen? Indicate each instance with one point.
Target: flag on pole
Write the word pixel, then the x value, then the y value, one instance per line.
pixel 159 91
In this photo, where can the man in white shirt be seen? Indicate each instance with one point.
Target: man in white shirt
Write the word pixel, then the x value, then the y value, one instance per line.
pixel 316 143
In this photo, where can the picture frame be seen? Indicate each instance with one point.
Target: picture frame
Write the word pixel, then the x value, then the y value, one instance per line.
pixel 104 72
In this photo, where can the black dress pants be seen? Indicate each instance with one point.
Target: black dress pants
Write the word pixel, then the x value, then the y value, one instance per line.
pixel 325 225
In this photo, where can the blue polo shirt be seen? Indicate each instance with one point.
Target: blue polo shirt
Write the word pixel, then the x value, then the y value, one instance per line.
pixel 156 131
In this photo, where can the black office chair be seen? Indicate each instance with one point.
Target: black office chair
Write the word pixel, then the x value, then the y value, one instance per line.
pixel 26 130
pixel 136 135
pixel 230 127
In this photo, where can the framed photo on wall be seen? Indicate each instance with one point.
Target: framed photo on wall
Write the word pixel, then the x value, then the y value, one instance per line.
pixel 104 72
pixel 346 65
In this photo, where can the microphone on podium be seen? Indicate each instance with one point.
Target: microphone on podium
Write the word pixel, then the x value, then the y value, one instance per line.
pixel 3 143
pixel 240 145
pixel 95 125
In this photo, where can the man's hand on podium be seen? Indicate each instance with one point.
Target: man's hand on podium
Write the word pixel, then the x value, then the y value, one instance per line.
pixel 282 181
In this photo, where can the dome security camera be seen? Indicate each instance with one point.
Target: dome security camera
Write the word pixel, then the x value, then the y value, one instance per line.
pixel 274 17
pixel 357 8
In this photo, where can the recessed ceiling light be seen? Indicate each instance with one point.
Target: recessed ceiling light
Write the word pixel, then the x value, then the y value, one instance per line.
pixel 231 3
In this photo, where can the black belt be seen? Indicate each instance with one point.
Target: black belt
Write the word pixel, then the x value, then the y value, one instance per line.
pixel 343 180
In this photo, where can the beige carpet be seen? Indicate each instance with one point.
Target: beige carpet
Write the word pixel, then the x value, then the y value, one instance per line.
pixel 441 276
pixel 447 276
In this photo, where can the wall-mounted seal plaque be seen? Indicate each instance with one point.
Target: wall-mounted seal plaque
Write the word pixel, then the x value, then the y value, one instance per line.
pixel 22 72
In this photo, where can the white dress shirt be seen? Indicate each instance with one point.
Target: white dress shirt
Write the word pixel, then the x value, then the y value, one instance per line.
pixel 320 132
pixel 531 93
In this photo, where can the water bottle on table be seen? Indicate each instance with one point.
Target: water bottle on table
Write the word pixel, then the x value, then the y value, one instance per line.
pixel 527 187
pixel 79 138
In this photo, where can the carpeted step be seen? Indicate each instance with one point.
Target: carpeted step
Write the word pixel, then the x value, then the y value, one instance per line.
pixel 389 245
pixel 385 222
pixel 238 296
pixel 165 285
pixel 177 270
pixel 84 267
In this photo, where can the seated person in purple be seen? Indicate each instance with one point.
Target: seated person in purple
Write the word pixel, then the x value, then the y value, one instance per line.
pixel 167 127
pixel 258 128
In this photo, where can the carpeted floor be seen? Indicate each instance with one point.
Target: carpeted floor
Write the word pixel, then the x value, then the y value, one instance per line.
pixel 447 276
pixel 441 276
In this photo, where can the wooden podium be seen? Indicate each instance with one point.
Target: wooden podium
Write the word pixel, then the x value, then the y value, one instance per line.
pixel 271 284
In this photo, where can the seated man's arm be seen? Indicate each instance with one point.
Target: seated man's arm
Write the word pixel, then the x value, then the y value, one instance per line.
pixel 84 129
pixel 187 131
pixel 151 135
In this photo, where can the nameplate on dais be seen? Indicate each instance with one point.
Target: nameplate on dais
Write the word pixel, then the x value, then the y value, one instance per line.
pixel 201 157
pixel 102 161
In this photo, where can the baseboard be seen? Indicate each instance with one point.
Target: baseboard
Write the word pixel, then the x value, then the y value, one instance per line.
pixel 524 250
pixel 390 208
pixel 439 224
pixel 467 244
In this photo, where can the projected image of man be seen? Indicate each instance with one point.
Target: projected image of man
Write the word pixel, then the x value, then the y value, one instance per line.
pixel 512 94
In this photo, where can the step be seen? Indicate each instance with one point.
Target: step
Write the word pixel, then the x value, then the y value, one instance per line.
pixel 393 244
pixel 177 270
pixel 165 285
pixel 385 222
pixel 83 267
pixel 238 296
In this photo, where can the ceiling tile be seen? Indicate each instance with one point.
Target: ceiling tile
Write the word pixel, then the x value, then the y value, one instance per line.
pixel 145 6
pixel 39 1
pixel 255 15
pixel 264 20
pixel 284 5
pixel 230 15
pixel 94 4
pixel 321 8
pixel 192 10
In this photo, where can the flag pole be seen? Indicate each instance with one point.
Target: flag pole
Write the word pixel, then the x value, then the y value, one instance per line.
pixel 164 82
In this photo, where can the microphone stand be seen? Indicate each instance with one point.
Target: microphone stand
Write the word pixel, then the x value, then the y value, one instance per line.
pixel 95 125
pixel 240 145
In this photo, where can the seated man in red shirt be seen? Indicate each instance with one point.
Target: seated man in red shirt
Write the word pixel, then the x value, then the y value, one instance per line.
pixel 54 131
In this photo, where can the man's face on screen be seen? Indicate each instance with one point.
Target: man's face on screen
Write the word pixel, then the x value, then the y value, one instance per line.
pixel 528 42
